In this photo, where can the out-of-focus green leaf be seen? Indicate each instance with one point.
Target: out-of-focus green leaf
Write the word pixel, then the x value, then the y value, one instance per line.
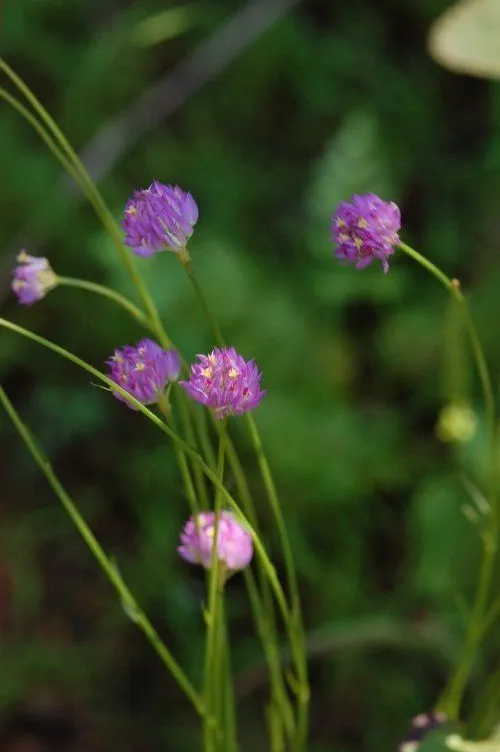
pixel 466 38
pixel 163 26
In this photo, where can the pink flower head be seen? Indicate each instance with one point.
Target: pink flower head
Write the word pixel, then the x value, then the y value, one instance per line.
pixel 366 228
pixel 143 370
pixel 159 218
pixel 225 382
pixel 234 542
pixel 33 278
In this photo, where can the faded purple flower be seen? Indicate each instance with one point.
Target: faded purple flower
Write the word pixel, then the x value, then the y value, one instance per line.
pixel 33 278
pixel 225 382
pixel 234 542
pixel 159 218
pixel 143 370
pixel 366 229
pixel 421 725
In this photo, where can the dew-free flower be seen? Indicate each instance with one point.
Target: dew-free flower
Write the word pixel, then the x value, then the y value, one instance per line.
pixel 421 725
pixel 234 542
pixel 143 370
pixel 366 228
pixel 159 218
pixel 33 278
pixel 225 382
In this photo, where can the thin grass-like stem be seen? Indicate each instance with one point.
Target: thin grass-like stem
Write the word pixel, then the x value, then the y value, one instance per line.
pixel 109 569
pixel 451 699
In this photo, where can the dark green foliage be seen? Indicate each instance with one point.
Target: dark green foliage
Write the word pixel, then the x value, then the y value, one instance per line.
pixel 336 98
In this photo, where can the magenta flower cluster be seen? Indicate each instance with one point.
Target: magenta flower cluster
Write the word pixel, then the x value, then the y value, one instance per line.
pixel 144 371
pixel 225 382
pixel 234 543
pixel 162 218
pixel 33 278
pixel 159 218
pixel 365 229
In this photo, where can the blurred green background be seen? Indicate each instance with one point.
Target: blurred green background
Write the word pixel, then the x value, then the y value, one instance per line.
pixel 329 100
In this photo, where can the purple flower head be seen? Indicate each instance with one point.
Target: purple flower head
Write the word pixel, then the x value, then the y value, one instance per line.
pixel 144 371
pixel 366 229
pixel 33 278
pixel 225 382
pixel 421 725
pixel 234 542
pixel 159 218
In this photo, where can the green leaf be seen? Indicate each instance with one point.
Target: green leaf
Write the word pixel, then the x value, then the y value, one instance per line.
pixel 466 38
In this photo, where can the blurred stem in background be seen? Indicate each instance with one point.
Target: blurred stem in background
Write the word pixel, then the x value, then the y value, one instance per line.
pixel 451 699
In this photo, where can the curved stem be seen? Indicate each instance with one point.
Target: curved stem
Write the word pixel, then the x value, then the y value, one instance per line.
pixel 106 565
pixel 187 449
pixel 268 638
pixel 91 191
pixel 451 699
pixel 107 292
pixel 303 695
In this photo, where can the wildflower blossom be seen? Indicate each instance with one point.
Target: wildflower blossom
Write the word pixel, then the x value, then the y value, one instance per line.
pixel 33 278
pixel 225 382
pixel 366 229
pixel 421 725
pixel 159 218
pixel 143 370
pixel 234 543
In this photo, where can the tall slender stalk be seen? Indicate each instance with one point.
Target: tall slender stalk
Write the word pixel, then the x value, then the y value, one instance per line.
pixel 229 717
pixel 107 292
pixel 66 155
pixel 296 627
pixel 216 578
pixel 187 449
pixel 91 191
pixel 106 565
pixel 451 698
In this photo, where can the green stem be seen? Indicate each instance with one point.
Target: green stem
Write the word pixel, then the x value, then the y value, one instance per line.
pixel 229 721
pixel 298 645
pixel 166 410
pixel 185 416
pixel 107 292
pixel 188 266
pixel 209 473
pixel 263 608
pixel 297 627
pixel 50 143
pixel 268 638
pixel 106 565
pixel 451 699
pixel 90 189
pixel 213 663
